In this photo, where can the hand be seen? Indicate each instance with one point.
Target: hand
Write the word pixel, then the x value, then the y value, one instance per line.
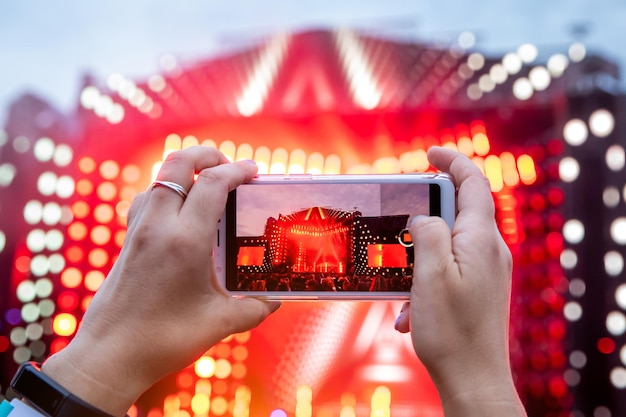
pixel 459 305
pixel 161 306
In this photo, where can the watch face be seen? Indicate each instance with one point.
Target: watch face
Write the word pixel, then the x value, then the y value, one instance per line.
pixel 32 385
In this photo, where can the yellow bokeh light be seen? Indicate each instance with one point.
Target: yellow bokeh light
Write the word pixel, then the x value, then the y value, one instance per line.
pixel 223 368
pixel 527 171
pixel 64 324
pixel 200 404
pixel 109 170
pixel 100 235
pixel 493 171
pixel 93 280
pixel 86 165
pixel 205 367
pixel 219 406
pixel 481 144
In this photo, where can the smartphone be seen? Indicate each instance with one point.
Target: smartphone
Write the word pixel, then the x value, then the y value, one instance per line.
pixel 327 237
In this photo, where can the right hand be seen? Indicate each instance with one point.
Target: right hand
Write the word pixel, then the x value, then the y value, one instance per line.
pixel 458 313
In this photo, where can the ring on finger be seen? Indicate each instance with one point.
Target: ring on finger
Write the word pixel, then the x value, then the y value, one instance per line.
pixel 179 189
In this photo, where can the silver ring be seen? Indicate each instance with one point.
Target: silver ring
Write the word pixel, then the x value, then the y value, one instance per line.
pixel 172 186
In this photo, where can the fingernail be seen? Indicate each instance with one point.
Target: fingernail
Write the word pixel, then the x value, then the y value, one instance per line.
pixel 398 319
pixel 416 218
pixel 250 161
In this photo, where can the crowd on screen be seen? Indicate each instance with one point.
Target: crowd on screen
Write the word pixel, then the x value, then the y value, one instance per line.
pixel 263 281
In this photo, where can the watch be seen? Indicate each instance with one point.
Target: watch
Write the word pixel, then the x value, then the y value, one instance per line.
pixel 47 396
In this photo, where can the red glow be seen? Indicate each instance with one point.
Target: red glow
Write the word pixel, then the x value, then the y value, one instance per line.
pixel 67 301
pixel 4 344
pixel 606 345
pixel 58 344
pixel 389 256
pixel 251 255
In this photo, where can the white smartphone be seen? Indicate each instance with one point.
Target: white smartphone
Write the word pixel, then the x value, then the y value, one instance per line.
pixel 328 237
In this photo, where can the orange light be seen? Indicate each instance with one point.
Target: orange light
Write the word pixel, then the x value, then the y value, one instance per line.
pixel 481 144
pixel 93 280
pixel 466 146
pixel 64 324
pixel 106 191
pixel 223 368
pixel 262 157
pixel 77 231
pixel 493 171
pixel 189 141
pixel 222 350
pixel 131 174
pixel 526 167
pixel 184 380
pixel 173 143
pixel 122 208
pixel 86 165
pixel 480 163
pixel 219 406
pixel 58 344
pixel 98 257
pixel 205 367
pixel 239 371
pixel 100 235
pixel 240 353
pixel 128 193
pixel 228 148
pixel 120 235
pixel 74 254
pixel 220 387
pixel 509 171
pixel 244 151
pixel 109 170
pixel 315 163
pixel 80 209
pixel 103 213
pixel 200 404
pixel 84 187
pixel 279 161
pixel 71 277
pixel 242 337
pixel 84 304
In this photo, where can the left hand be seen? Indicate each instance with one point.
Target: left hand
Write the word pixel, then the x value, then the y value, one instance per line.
pixel 161 306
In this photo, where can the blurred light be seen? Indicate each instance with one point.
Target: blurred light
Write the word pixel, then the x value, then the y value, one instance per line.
pixel 527 170
pixel 486 84
pixel 616 323
pixel 89 97
pixel 569 259
pixel 46 184
pixel 39 265
pixel 615 157
pixel 618 377
pixel 572 311
pixel 228 148
pixel 620 297
pixel 573 231
pixel 7 174
pixel 36 240
pixel 63 155
pixel 156 83
pixel 481 144
pixel 577 52
pixel 109 169
pixel 512 63
pixel 244 151
pixel 577 287
pixel 3 241
pixel 65 186
pixel 539 78
pixel 618 230
pixel 575 132
pixel 390 165
pixel 98 257
pixel 71 277
pixel 527 52
pixel 613 263
pixel 610 197
pixel 493 171
pixel 205 367
pixel 557 64
pixel 200 404
pixel 474 92
pixel 601 123
pixel 64 324
pixel 168 62
pixel 578 359
pixel 568 169
pixel 262 157
pixel 606 345
pixel 522 89
pixel 223 368
pixel 476 61
pixel 103 213
pixel 86 165
pixel 498 74
pixel 51 214
pixel 43 287
pixel 26 291
pixel 44 149
pixel 467 40
pixel 21 144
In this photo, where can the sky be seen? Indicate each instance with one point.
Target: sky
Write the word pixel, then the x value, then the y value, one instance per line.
pixel 47 47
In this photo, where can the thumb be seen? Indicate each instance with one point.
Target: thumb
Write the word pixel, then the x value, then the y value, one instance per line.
pixel 247 313
pixel 432 244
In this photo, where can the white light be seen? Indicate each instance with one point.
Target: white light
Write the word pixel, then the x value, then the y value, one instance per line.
pixel 571 377
pixel 26 291
pixel 616 323
pixel 602 412
pixel 527 52
pixel 610 197
pixel 539 78
pixel 65 186
pixel 498 74
pixel 54 240
pixel 618 230
pixel 620 297
pixel 476 61
pixel 486 84
pixel 577 287
pixel 36 240
pixel 601 123
pixel 522 89
pixel 622 354
pixel 613 263
pixel 573 231
pixel 43 288
pixel 116 114
pixel 474 92
pixel 63 155
pixel 3 241
pixel 89 97
pixel 57 263
pixel 51 213
pixel 578 359
pixel 46 184
pixel 557 64
pixel 39 265
pixel 618 377
pixel 156 83
pixel 569 169
pixel 44 149
pixel 575 132
pixel 577 52
pixel 572 311
pixel 467 40
pixel 33 211
pixel 569 259
pixel 103 106
pixel 7 174
pixel 615 158
pixel 114 80
pixel 512 62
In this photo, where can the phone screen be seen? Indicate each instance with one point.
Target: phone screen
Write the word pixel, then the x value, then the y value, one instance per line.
pixel 317 237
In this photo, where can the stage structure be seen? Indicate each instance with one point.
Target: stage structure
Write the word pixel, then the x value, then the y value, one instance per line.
pixel 540 123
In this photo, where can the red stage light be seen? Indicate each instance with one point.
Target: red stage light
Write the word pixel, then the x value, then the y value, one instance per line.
pixel 606 345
